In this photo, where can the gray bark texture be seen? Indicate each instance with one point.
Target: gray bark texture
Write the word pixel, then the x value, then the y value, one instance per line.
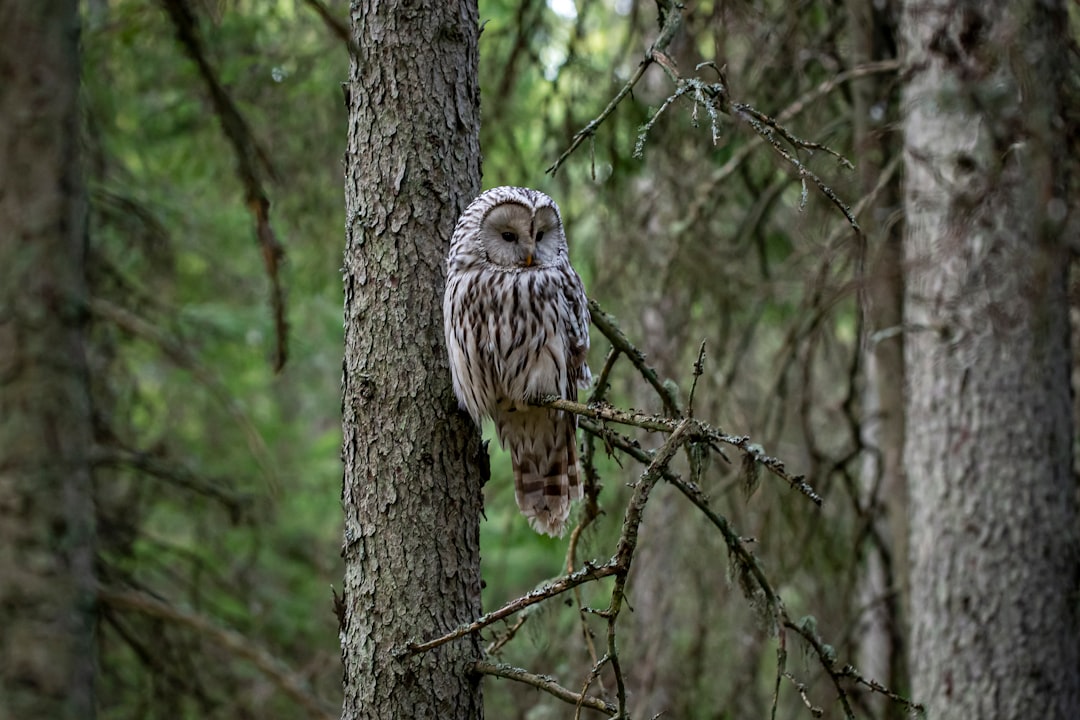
pixel 47 585
pixel 994 561
pixel 414 464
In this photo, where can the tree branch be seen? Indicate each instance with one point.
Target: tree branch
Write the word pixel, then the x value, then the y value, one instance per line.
pixel 545 683
pixel 335 25
pixel 286 679
pixel 251 162
pixel 556 587
pixel 670 20
pixel 701 432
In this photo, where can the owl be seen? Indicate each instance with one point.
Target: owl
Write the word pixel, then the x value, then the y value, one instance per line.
pixel 517 329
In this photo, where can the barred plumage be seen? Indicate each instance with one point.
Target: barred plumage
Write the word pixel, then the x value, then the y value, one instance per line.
pixel 517 328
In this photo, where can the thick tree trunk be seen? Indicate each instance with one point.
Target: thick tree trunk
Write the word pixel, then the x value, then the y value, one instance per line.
pixel 989 434
pixel 46 507
pixel 413 462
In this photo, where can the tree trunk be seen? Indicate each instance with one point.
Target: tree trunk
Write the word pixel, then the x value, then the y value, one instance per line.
pixel 989 433
pixel 881 643
pixel 413 462
pixel 47 586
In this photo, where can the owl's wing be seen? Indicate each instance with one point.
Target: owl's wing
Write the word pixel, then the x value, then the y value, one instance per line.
pixel 466 343
pixel 577 327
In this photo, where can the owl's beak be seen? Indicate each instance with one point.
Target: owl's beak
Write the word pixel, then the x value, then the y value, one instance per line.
pixel 528 262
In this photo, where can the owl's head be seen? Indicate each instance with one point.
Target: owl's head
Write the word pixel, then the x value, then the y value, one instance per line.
pixel 515 228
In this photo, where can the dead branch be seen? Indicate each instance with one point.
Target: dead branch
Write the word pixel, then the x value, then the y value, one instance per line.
pixel 701 432
pixel 545 683
pixel 556 587
pixel 285 678
pixel 251 164
pixel 670 20
pixel 714 99
pixel 335 25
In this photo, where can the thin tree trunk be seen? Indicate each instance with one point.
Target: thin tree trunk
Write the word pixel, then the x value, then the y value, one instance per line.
pixel 881 644
pixel 989 434
pixel 413 462
pixel 47 586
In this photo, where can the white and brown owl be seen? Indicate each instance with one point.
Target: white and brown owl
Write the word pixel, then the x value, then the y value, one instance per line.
pixel 517 329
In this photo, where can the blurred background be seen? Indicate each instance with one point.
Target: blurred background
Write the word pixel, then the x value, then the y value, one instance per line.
pixel 219 512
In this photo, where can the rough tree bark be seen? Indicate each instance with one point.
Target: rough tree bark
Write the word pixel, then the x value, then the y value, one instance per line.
pixel 413 462
pixel 989 433
pixel 46 507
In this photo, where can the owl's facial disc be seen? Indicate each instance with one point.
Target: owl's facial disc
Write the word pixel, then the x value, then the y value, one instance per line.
pixel 513 236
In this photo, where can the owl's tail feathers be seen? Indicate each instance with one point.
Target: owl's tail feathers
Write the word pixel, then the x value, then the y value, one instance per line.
pixel 547 478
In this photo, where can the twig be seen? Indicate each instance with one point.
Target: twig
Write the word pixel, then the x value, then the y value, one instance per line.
pixel 795 142
pixel 699 368
pixel 827 658
pixel 606 324
pixel 914 707
pixel 751 117
pixel 590 513
pixel 801 688
pixel 590 128
pixel 671 19
pixel 556 587
pixel 546 683
pixel 628 544
pixel 600 388
pixel 498 643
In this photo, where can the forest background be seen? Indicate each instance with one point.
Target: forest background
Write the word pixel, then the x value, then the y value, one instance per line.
pixel 213 135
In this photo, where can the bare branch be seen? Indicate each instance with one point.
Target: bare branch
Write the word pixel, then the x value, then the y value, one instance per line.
pixel 545 683
pixel 500 641
pixel 285 678
pixel 701 432
pixel 670 20
pixel 606 324
pixel 556 587
pixel 335 25
pixel 251 163
pixel 603 411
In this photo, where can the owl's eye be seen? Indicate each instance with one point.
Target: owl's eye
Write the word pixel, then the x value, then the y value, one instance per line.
pixel 539 236
pixel 509 237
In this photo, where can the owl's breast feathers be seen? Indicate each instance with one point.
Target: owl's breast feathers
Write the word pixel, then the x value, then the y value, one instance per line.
pixel 516 336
